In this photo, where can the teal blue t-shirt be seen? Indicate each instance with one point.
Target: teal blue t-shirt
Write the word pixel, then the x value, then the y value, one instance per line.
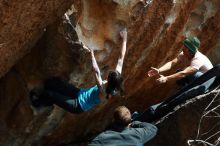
pixel 89 98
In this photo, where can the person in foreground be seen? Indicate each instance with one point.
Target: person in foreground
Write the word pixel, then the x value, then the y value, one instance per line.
pixel 75 100
pixel 193 61
pixel 124 132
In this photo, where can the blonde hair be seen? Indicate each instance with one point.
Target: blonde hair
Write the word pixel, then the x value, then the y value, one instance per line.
pixel 122 116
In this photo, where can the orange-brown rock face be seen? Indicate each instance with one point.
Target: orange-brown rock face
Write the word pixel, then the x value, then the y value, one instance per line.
pixel 22 24
pixel 155 34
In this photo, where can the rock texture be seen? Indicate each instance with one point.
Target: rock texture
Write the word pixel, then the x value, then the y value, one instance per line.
pixel 191 129
pixel 38 41
pixel 22 24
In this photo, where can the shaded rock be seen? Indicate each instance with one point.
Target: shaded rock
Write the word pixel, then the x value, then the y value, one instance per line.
pixel 40 42
pixel 183 124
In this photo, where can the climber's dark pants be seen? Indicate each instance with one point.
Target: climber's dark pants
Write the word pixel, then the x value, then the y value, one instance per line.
pixel 63 94
pixel 198 86
pixel 189 79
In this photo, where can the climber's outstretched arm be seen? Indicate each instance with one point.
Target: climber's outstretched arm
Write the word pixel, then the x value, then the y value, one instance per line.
pixel 123 35
pixel 96 69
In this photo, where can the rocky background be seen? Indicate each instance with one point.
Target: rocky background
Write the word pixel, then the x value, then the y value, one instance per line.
pixel 43 38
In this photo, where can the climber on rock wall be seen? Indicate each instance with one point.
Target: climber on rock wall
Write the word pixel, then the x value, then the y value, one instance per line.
pixel 75 100
pixel 194 62
pixel 123 132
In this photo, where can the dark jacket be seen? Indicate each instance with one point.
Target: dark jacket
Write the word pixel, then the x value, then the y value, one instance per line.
pixel 136 135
